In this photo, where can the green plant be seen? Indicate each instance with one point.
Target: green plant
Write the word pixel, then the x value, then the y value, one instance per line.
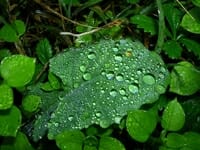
pixel 95 85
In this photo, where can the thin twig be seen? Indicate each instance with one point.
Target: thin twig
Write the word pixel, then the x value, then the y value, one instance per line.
pixel 185 9
pixel 60 15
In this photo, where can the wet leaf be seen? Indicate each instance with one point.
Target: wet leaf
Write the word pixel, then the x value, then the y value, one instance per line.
pixel 70 140
pixel 173 117
pixel 140 124
pixel 109 143
pixel 17 70
pixel 105 80
pixel 10 121
pixel 184 79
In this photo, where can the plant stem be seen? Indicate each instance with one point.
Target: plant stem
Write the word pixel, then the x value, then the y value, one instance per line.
pixel 161 27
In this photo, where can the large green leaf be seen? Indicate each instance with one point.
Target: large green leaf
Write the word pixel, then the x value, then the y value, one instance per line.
pixel 104 81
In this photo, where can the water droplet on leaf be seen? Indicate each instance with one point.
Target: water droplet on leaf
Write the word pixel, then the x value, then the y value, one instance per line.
pixel 119 77
pixel 110 75
pixel 70 118
pixel 87 76
pixel 149 79
pixel 122 91
pixel 82 68
pixel 113 93
pixel 91 55
pixel 118 57
pixel 133 88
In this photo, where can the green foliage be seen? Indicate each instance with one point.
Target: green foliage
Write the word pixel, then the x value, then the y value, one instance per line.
pixel 30 103
pixel 105 80
pixel 70 140
pixel 184 79
pixel 191 22
pixel 44 51
pixel 173 117
pixel 145 22
pixel 19 143
pixel 6 97
pixel 109 143
pixel 17 70
pixel 12 32
pixel 140 124
pixel 103 94
pixel 10 121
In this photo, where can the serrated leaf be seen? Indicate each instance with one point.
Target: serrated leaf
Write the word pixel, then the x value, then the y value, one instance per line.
pixel 109 143
pixel 173 16
pixel 173 117
pixel 105 80
pixel 70 140
pixel 44 51
pixel 184 79
pixel 6 97
pixel 145 22
pixel 191 22
pixel 10 121
pixel 191 46
pixel 12 32
pixel 172 49
pixel 140 124
pixel 17 70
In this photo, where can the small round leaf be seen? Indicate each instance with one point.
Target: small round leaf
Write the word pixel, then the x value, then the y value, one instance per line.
pixel 173 117
pixel 30 103
pixel 140 124
pixel 17 70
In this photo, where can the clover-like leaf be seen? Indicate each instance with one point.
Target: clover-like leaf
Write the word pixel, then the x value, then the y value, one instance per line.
pixel 104 81
pixel 17 70
pixel 140 124
pixel 10 121
pixel 184 79
pixel 173 117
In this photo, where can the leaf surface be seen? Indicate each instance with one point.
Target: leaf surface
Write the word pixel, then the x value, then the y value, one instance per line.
pixel 104 81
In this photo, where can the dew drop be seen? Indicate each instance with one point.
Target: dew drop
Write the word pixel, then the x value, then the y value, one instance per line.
pixel 76 85
pixel 149 79
pixel 119 77
pixel 87 76
pixel 70 118
pixel 56 124
pixel 104 124
pixel 110 75
pixel 117 119
pixel 118 57
pixel 113 93
pixel 82 68
pixel 122 92
pixel 133 88
pixel 125 98
pixel 160 89
pixel 91 55
pixel 98 114
pixel 115 49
